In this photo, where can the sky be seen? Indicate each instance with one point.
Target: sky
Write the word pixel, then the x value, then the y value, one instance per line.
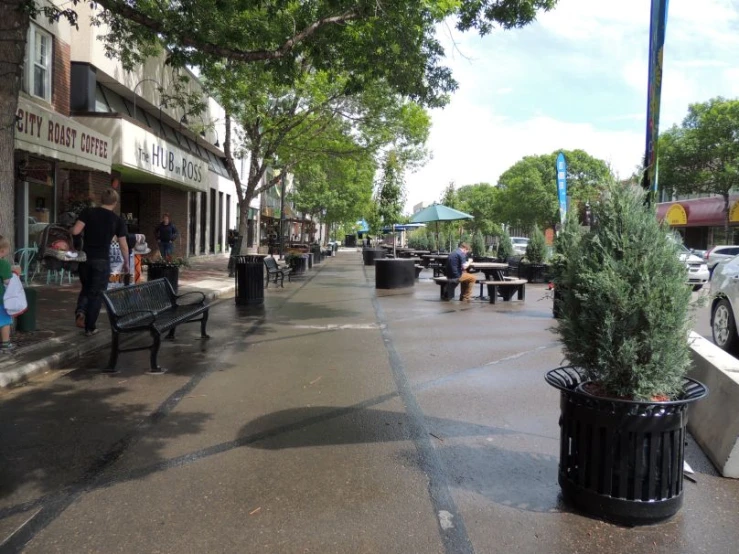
pixel 575 78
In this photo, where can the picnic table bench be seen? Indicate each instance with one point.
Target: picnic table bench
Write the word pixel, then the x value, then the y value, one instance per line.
pixel 151 307
pixel 507 288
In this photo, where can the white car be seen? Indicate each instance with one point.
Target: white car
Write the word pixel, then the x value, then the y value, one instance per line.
pixel 724 303
pixel 698 274
pixel 719 254
pixel 519 245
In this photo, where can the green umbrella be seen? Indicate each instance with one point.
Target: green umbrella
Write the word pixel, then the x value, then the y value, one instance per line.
pixel 439 212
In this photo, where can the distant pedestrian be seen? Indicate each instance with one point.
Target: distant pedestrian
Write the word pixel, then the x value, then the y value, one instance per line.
pixel 166 233
pixel 100 226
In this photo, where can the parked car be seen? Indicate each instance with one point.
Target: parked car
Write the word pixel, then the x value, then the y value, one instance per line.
pixel 719 254
pixel 698 274
pixel 519 245
pixel 724 303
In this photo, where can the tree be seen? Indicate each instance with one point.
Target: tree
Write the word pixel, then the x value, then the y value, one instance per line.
pixel 478 245
pixel 481 201
pixel 505 247
pixel 390 40
pixel 536 249
pixel 702 155
pixel 528 189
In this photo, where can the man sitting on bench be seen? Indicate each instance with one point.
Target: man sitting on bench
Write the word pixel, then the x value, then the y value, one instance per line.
pixel 456 268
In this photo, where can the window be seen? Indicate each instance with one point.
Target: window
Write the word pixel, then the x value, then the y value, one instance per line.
pixel 38 66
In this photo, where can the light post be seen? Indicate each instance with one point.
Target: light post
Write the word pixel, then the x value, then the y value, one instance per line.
pixel 134 95
pixel 282 212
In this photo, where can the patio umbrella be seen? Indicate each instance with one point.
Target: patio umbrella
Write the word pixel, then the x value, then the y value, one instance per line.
pixel 439 212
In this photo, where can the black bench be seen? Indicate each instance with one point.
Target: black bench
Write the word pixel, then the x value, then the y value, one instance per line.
pixel 506 288
pixel 151 307
pixel 446 287
pixel 275 270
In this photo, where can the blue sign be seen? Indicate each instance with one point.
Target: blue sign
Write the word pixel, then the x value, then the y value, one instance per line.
pixel 562 186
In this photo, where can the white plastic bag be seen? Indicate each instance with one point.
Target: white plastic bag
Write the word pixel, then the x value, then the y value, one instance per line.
pixel 14 298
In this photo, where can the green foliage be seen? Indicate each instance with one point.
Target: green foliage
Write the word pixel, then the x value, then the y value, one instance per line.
pixel 625 303
pixel 443 242
pixel 478 245
pixel 527 193
pixel 433 244
pixel 536 250
pixel 700 157
pixel 505 246
pixel 390 190
pixel 565 244
pixel 480 201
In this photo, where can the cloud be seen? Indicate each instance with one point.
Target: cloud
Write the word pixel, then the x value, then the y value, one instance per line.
pixel 576 78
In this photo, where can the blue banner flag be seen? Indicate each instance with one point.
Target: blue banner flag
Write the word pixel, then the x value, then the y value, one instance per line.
pixel 562 186
pixel 658 24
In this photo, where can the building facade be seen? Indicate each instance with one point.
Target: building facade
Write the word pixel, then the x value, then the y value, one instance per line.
pixel 701 221
pixel 84 124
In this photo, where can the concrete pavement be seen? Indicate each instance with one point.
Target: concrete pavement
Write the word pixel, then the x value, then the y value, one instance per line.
pixel 333 420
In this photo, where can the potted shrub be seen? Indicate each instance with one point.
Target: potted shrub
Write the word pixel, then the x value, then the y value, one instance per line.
pixel 564 242
pixel 478 246
pixel 536 252
pixel 297 261
pixel 168 268
pixel 505 247
pixel 624 326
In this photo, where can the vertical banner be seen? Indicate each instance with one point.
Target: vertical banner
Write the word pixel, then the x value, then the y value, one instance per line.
pixel 658 23
pixel 562 186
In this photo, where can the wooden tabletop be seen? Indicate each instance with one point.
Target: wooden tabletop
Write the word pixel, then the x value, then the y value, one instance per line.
pixel 435 256
pixel 488 265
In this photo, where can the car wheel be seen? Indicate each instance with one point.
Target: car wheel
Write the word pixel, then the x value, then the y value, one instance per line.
pixel 696 288
pixel 723 326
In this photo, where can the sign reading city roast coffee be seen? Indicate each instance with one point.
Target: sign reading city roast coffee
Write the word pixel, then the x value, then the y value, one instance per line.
pixel 50 134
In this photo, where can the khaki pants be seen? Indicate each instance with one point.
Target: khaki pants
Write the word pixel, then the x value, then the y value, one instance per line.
pixel 467 282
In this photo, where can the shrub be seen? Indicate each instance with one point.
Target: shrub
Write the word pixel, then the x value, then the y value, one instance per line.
pixel 625 302
pixel 505 247
pixel 433 245
pixel 536 250
pixel 478 245
pixel 442 242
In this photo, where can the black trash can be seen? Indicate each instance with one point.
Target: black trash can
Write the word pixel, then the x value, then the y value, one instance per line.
pixel 309 257
pixel 249 280
pixel 169 272
pixel 316 251
pixel 350 241
pixel 26 322
pixel 369 255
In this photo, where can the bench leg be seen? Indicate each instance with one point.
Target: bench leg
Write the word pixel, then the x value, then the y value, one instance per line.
pixel 522 292
pixel 113 360
pixel 203 323
pixel 170 335
pixel 493 292
pixel 154 351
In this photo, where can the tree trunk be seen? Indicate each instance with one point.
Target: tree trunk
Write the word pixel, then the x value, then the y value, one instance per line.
pixel 12 51
pixel 727 222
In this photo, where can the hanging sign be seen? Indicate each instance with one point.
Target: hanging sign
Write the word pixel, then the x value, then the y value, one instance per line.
pixel 676 215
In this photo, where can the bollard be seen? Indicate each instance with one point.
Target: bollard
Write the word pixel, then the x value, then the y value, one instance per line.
pixel 26 322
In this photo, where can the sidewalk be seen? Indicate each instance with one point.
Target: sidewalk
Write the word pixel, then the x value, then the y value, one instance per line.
pixel 57 342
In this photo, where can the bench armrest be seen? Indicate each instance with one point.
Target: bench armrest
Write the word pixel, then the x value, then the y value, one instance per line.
pixel 121 320
pixel 200 298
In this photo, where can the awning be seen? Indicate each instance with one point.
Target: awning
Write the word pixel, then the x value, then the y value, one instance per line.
pixel 699 212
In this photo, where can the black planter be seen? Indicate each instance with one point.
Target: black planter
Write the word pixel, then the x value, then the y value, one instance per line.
pixel 299 265
pixel 394 274
pixel 249 280
pixel 169 272
pixel 621 460
pixel 369 255
pixel 350 241
pixel 535 273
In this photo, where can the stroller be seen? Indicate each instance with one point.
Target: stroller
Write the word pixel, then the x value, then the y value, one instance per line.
pixel 57 250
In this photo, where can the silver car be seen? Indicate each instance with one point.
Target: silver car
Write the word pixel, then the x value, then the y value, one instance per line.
pixel 519 245
pixel 724 303
pixel 698 274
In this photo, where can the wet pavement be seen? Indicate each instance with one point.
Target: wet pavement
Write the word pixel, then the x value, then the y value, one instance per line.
pixel 333 420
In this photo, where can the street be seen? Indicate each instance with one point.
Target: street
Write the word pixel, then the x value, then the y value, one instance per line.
pixel 336 419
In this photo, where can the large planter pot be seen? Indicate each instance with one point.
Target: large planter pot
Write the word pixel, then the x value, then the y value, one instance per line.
pixel 169 272
pixel 369 255
pixel 536 273
pixel 621 460
pixel 394 273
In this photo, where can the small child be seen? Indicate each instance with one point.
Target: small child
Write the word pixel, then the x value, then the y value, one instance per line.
pixel 6 273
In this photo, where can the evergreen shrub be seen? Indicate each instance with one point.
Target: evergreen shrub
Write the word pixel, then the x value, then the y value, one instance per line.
pixel 478 245
pixel 505 247
pixel 536 250
pixel 625 302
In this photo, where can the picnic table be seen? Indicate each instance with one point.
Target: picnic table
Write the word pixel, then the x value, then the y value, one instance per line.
pixel 435 261
pixel 494 271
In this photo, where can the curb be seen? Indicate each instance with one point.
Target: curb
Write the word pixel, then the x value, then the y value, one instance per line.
pixel 75 351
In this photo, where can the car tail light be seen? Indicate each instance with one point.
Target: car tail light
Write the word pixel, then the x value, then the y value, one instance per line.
pixel 708 252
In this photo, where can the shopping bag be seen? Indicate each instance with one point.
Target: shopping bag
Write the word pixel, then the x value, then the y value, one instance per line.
pixel 14 298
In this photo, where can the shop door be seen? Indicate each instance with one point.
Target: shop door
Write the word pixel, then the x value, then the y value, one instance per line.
pixel 203 220
pixel 212 242
pixel 221 224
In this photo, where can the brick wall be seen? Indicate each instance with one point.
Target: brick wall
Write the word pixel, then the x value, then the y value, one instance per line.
pixel 85 184
pixel 61 76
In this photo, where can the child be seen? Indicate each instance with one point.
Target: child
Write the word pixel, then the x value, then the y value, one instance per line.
pixel 5 274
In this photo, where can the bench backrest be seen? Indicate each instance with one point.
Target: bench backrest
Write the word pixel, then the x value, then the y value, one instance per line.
pixel 271 264
pixel 153 296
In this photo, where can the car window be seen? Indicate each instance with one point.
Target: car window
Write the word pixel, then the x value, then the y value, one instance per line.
pixel 730 251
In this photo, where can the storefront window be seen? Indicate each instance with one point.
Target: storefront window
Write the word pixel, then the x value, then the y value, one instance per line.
pixel 38 70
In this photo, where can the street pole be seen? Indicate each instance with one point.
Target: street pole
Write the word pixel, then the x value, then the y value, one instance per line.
pixel 282 214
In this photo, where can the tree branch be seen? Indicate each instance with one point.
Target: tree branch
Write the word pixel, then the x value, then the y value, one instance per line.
pixel 187 40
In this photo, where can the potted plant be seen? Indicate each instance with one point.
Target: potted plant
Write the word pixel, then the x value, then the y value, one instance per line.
pixel 478 246
pixel 536 252
pixel 505 247
pixel 624 326
pixel 297 261
pixel 168 268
